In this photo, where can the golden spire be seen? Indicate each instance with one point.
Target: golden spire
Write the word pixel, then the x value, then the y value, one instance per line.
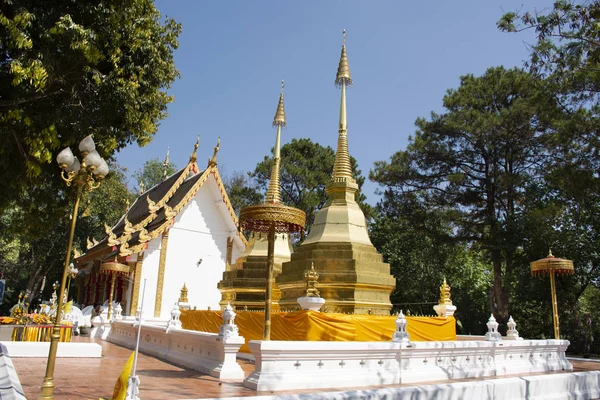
pixel 274 191
pixel 142 188
pixel 213 161
pixel 342 170
pixel 193 156
pixel 165 165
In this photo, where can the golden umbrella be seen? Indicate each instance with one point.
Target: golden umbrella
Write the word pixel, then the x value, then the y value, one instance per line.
pixel 272 216
pixel 553 265
pixel 113 268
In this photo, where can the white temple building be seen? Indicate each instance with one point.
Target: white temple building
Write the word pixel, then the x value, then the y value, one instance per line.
pixel 181 231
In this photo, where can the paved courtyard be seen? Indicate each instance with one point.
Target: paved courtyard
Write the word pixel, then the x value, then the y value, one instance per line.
pixel 93 378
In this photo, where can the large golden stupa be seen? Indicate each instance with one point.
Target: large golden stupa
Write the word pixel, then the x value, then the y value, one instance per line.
pixel 352 275
pixel 243 284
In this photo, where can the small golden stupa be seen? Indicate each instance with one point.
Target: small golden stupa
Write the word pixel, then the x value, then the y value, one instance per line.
pixel 353 277
pixel 243 285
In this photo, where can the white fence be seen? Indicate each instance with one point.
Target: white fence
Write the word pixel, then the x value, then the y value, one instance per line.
pixel 208 353
pixel 324 365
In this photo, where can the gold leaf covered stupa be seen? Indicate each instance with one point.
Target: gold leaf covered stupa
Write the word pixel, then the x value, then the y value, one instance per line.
pixel 243 285
pixel 352 275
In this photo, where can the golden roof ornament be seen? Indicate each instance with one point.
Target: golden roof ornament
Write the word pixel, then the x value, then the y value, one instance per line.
pixel 169 212
pixel 445 294
pixel 165 165
pixel 127 204
pixel 183 294
pixel 213 161
pixel 274 189
pixel 312 283
pixel 112 238
pixel 144 236
pixel 89 243
pixel 152 207
pixel 193 156
pixel 142 188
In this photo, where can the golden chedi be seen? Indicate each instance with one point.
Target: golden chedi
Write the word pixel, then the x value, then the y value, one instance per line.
pixel 352 275
pixel 243 284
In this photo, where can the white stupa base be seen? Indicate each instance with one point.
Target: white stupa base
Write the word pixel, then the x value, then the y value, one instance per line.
pixel 444 310
pixel 311 303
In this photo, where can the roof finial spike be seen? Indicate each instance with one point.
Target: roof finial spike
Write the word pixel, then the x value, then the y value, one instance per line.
pixel 193 156
pixel 344 40
pixel 165 165
pixel 550 253
pixel 213 161
pixel 282 86
pixel 274 190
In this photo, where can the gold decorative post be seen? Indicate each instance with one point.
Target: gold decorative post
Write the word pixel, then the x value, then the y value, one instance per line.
pixel 137 280
pixel 87 174
pixel 553 265
pixel 160 280
pixel 272 216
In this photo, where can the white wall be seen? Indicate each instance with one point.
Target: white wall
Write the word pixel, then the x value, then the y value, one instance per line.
pixel 150 273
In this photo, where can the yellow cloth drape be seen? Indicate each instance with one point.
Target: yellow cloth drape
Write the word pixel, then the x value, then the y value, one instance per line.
pixel 40 333
pixel 312 325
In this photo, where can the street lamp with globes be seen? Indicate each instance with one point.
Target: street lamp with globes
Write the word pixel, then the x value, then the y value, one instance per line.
pixel 86 174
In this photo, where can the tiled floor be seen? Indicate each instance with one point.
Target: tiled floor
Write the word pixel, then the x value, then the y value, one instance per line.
pixel 89 378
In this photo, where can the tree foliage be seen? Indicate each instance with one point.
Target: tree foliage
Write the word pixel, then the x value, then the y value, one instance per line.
pixel 152 173
pixel 71 68
pixel 242 191
pixel 34 248
pixel 568 45
pixel 305 170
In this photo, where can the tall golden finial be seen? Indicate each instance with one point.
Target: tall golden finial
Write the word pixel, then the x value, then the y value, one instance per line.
pixel 142 188
pixel 342 170
pixel 274 191
pixel 193 156
pixel 445 294
pixel 165 165
pixel 213 161
pixel 312 283
pixel 127 204
pixel 280 113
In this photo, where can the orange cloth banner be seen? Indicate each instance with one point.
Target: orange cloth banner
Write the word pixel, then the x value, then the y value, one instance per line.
pixel 315 326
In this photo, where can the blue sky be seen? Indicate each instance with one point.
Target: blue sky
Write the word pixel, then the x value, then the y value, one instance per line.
pixel 403 57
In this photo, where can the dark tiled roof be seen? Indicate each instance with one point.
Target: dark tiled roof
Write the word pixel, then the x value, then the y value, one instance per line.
pixel 139 210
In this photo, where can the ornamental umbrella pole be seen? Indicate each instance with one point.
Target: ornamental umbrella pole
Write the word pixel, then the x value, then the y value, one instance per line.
pixel 553 265
pixel 272 217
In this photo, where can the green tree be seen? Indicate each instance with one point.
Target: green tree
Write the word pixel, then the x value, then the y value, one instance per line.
pixel 35 239
pixel 420 259
pixel 305 170
pixel 153 172
pixel 471 165
pixel 242 191
pixel 71 68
